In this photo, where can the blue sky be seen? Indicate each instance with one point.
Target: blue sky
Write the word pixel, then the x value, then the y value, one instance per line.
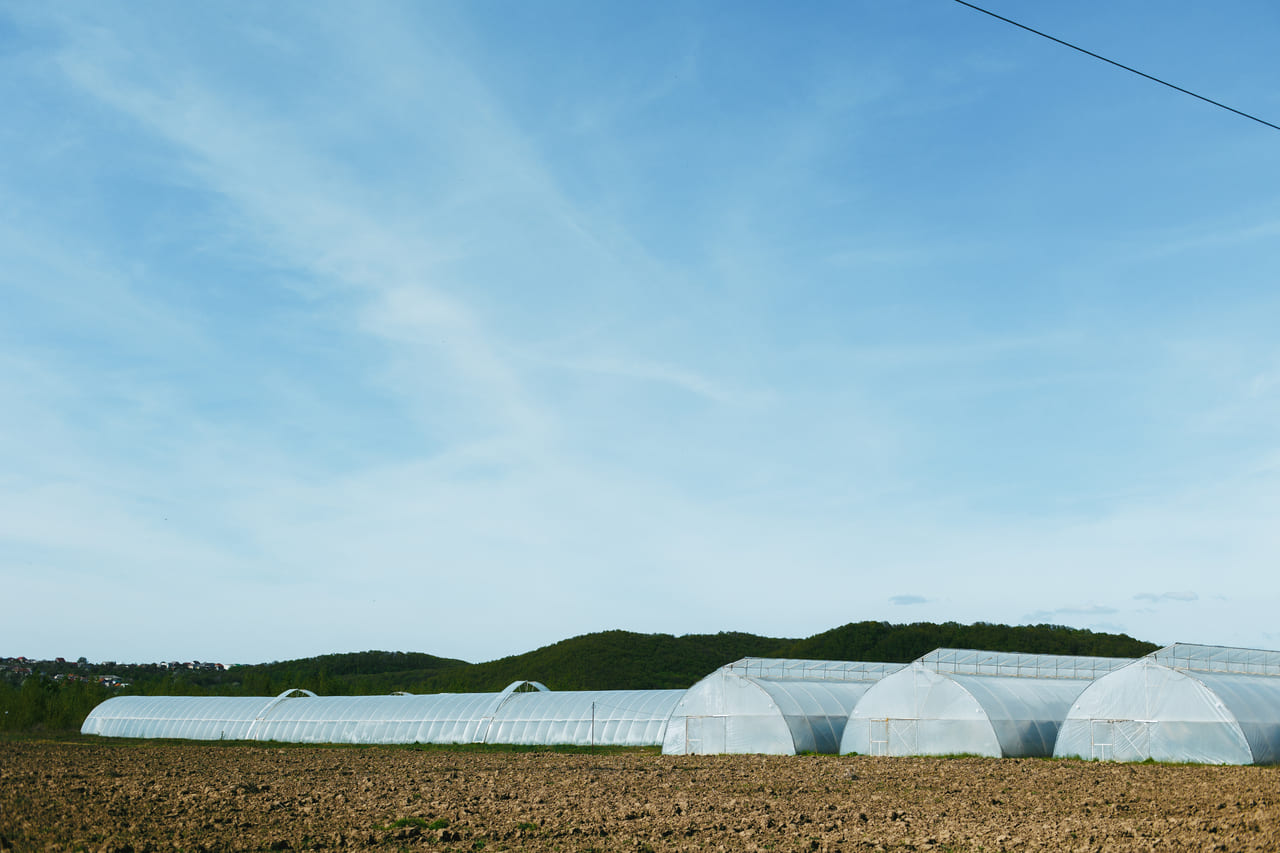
pixel 467 327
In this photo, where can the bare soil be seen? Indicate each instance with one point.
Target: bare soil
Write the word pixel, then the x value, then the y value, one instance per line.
pixel 147 796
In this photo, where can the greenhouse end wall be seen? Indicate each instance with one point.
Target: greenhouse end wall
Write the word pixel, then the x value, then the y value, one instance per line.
pixel 770 706
pixel 966 701
pixel 1183 703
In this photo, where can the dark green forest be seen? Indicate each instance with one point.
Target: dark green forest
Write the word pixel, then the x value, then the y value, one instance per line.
pixel 54 698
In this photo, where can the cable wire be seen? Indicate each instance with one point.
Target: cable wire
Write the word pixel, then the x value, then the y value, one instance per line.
pixel 1119 65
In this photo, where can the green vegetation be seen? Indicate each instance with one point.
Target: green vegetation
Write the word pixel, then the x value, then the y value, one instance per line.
pixel 609 660
pixel 880 641
pixel 353 674
pixel 621 660
pixel 39 703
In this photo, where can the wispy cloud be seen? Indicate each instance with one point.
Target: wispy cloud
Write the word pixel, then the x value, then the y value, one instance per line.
pixel 1185 595
pixel 312 213
pixel 671 375
pixel 1231 235
pixel 1090 610
pixel 309 292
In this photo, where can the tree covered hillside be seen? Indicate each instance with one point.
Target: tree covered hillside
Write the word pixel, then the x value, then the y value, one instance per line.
pixel 881 641
pixel 608 660
pixel 612 660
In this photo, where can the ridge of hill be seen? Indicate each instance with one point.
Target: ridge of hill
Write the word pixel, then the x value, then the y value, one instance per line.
pixel 612 660
pixel 626 660
pixel 881 641
pixel 350 672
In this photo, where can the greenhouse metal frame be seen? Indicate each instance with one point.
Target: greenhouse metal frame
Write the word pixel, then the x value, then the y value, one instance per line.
pixel 523 713
pixel 968 701
pixel 777 706
pixel 1183 703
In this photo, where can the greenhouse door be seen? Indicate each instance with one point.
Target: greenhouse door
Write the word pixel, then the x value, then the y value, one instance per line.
pixel 1103 737
pixel 1132 740
pixel 892 737
pixel 704 735
pixel 878 737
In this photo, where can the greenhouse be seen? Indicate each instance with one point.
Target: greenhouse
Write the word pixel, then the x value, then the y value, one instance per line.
pixel 960 701
pixel 1203 704
pixel 585 718
pixel 523 713
pixel 776 706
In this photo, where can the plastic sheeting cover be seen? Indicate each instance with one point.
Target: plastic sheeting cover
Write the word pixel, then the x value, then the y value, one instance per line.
pixel 617 717
pixel 1150 710
pixel 1198 658
pixel 1019 664
pixel 191 717
pixel 433 718
pixel 967 701
pixel 772 706
pixel 601 717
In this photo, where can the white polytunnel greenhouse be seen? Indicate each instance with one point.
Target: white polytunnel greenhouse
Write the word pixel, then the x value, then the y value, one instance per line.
pixel 514 716
pixel 1203 704
pixel 770 705
pixel 963 701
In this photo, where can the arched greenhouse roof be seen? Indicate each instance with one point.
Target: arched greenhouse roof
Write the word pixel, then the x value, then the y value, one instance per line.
pixel 585 717
pixel 186 717
pixel 616 717
pixel 770 705
pixel 954 701
pixel 1185 702
pixel 398 718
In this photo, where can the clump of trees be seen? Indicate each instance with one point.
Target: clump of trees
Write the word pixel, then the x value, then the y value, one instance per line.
pixel 40 703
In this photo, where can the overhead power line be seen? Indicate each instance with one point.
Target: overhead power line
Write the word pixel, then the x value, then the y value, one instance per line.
pixel 1119 65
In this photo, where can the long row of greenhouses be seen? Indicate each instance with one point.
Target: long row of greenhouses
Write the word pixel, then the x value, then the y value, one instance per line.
pixel 1205 704
pixel 516 715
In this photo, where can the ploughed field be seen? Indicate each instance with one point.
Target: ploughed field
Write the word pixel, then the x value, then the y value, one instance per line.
pixel 150 796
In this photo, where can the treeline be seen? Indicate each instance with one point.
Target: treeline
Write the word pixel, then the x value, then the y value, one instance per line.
pixel 354 673
pixel 623 660
pixel 880 641
pixel 611 660
pixel 40 703
pixel 608 660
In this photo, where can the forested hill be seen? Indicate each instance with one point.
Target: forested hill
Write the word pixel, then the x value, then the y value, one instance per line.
pixel 624 660
pixel 353 672
pixel 58 695
pixel 613 660
pixel 880 641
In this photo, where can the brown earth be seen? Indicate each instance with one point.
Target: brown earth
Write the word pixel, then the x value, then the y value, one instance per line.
pixel 146 796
